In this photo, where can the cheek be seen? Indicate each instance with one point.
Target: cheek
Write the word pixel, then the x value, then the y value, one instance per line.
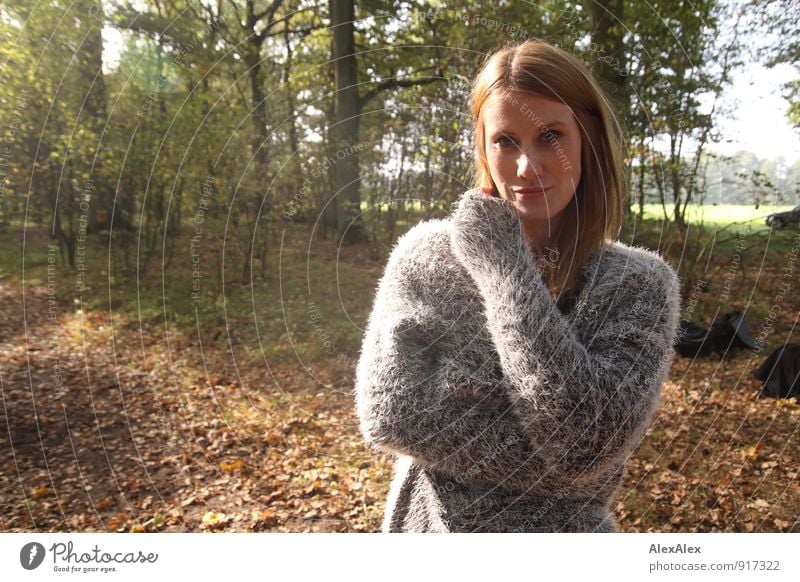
pixel 574 160
pixel 492 162
pixel 499 162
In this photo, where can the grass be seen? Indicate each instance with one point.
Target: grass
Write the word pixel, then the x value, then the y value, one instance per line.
pixel 736 217
pixel 713 215
pixel 311 306
pixel 294 313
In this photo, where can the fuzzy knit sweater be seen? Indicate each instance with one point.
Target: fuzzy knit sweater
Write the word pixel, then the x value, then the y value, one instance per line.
pixel 505 413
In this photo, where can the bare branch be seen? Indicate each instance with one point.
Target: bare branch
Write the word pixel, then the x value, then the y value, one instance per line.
pixel 395 83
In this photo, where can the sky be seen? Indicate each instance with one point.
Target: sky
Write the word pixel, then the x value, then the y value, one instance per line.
pixel 760 124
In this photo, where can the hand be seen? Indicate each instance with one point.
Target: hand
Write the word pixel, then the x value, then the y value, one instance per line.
pixel 488 234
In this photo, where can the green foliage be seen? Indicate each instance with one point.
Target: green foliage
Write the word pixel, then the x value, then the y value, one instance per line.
pixel 221 112
pixel 782 45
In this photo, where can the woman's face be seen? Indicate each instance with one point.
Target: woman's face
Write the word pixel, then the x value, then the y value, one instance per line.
pixel 533 147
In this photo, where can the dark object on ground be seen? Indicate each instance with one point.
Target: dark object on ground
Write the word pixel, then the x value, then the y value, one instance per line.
pixel 781 373
pixel 727 333
pixel 779 220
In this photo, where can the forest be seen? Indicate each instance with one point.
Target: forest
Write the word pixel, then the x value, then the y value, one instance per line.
pixel 198 197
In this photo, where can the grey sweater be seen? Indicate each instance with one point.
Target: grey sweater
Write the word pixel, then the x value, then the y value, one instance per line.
pixel 505 414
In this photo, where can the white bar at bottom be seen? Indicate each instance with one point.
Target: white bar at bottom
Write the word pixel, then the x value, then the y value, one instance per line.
pixel 401 557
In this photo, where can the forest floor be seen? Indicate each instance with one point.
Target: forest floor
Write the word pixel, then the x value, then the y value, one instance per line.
pixel 117 421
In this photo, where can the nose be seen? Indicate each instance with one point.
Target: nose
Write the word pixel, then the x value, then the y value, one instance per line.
pixel 528 166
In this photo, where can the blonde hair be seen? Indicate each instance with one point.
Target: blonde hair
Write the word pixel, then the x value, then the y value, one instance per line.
pixel 595 212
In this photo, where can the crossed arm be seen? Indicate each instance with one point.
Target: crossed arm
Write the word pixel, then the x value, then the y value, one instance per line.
pixel 566 411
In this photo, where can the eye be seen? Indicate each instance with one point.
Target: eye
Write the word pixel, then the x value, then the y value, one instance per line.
pixel 551 135
pixel 504 141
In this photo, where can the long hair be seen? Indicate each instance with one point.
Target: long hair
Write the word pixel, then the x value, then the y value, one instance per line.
pixel 595 212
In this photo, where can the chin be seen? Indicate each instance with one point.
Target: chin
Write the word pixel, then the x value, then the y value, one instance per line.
pixel 539 213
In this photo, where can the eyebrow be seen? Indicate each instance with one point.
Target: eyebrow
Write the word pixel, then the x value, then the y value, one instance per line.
pixel 550 125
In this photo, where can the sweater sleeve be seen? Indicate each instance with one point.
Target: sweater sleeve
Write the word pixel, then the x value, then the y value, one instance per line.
pixel 587 400
pixel 405 407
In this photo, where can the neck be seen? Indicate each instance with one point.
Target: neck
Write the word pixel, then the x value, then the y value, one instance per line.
pixel 540 235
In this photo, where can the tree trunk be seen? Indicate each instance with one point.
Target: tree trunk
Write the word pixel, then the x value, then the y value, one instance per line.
pixel 294 143
pixel 610 63
pixel 93 113
pixel 259 114
pixel 345 125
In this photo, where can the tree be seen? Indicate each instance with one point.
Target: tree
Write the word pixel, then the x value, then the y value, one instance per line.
pixel 782 45
pixel 607 22
pixel 53 66
pixel 345 123
pixel 668 81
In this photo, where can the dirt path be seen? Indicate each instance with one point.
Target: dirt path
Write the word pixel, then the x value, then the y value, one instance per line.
pixel 103 431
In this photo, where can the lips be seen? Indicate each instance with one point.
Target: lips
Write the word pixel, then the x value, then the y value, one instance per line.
pixel 530 192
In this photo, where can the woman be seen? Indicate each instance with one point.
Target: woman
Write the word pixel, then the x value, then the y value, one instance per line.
pixel 515 353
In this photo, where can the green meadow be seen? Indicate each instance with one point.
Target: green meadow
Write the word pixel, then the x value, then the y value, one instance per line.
pixel 719 214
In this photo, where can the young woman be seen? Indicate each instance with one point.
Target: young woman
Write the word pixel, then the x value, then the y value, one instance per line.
pixel 515 353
